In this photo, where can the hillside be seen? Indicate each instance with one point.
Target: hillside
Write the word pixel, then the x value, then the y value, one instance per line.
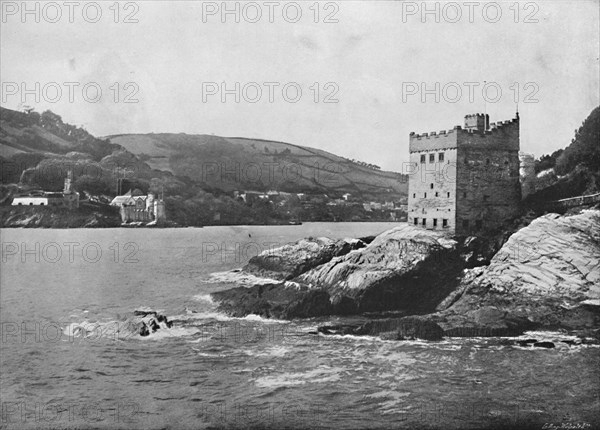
pixel 197 175
pixel 251 164
pixel 574 170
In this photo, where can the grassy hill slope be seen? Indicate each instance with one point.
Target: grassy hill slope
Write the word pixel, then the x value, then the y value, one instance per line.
pixel 252 164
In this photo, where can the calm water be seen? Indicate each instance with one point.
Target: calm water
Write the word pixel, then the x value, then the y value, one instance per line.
pixel 211 371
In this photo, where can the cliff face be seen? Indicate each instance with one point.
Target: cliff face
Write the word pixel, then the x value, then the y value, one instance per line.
pixel 546 275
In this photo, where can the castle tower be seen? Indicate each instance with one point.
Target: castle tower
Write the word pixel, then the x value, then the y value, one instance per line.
pixel 527 174
pixel 465 181
pixel 70 197
pixel 68 183
pixel 477 122
pixel 150 203
pixel 159 210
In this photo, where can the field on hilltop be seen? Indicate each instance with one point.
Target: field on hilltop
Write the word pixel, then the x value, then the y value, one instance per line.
pixel 232 163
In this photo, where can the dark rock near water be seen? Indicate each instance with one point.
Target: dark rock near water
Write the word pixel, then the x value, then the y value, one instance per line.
pixel 291 260
pixel 405 328
pixel 279 301
pixel 544 345
pixel 150 321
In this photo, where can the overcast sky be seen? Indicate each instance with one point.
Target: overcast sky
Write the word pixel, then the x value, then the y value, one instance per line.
pixel 365 63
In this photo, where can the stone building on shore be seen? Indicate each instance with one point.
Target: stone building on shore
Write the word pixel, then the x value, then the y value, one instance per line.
pixel 465 180
pixel 135 206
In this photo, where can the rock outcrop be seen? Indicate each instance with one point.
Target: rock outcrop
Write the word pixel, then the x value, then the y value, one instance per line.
pixel 403 268
pixel 407 328
pixel 546 275
pixel 291 260
pixel 147 321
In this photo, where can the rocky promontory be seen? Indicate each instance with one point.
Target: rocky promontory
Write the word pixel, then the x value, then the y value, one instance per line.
pixel 546 276
pixel 403 268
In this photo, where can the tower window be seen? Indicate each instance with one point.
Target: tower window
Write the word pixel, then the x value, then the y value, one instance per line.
pixel 487 161
pixel 437 194
pixel 422 158
pixel 444 223
pixel 431 186
pixel 431 158
pixel 464 195
pixel 424 195
pixel 416 221
pixel 414 195
pixel 435 222
pixel 448 195
pixel 424 222
pixel 441 156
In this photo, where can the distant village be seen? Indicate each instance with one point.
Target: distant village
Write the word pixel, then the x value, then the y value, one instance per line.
pixel 363 210
pixel 136 207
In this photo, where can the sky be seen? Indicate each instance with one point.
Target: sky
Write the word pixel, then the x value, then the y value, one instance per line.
pixel 350 77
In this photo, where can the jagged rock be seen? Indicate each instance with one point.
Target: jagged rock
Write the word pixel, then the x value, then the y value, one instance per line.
pixel 149 321
pixel 546 275
pixel 289 261
pixel 544 345
pixel 403 268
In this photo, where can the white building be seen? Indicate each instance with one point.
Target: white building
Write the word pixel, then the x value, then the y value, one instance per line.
pixel 68 198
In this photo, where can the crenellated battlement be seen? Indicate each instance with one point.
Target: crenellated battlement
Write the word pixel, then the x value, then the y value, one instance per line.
pixel 433 134
pixel 502 133
pixel 493 127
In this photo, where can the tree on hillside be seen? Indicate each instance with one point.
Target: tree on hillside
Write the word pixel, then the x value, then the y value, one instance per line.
pixel 93 185
pixel 584 148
